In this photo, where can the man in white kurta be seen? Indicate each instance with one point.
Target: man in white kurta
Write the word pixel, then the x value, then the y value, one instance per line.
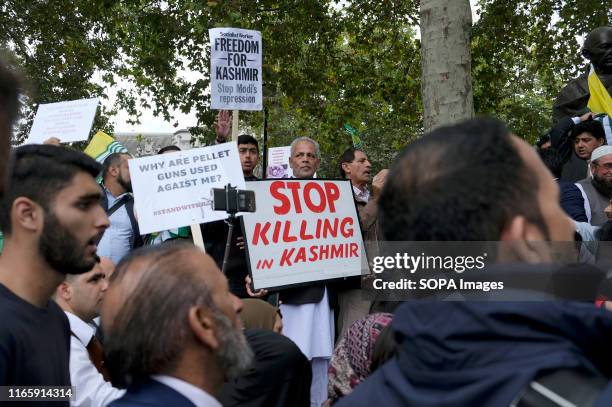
pixel 309 321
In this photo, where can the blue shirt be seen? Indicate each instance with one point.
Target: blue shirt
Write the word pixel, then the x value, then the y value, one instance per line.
pixel 119 237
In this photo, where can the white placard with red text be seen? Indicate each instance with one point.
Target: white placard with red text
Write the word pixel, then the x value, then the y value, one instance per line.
pixel 304 230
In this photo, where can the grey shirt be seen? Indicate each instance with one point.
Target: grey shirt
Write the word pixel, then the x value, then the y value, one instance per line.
pixel 118 238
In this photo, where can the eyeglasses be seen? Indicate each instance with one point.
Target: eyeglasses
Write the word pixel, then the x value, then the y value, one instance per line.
pixel 606 166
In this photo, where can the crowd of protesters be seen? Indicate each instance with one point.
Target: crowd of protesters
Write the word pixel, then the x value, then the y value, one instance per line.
pixel 132 320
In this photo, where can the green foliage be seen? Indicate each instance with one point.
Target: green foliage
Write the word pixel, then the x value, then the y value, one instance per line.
pixel 524 52
pixel 325 62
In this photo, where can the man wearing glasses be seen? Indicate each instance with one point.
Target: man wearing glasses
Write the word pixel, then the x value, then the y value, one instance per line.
pixel 597 191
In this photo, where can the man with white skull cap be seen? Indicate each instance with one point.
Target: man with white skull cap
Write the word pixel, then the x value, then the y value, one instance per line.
pixel 597 191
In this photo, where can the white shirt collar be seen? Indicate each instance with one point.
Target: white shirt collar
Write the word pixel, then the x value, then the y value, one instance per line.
pixel 196 395
pixel 80 328
pixel 361 195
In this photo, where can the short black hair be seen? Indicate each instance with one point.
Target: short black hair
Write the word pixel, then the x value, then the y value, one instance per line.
pixel 110 161
pixel 168 148
pixel 9 108
pixel 348 156
pixel 10 87
pixel 39 172
pixel 248 139
pixel 458 183
pixel 543 139
pixel 553 161
pixel 589 126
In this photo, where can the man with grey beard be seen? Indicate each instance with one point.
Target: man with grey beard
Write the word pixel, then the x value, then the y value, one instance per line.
pixel 597 191
pixel 173 335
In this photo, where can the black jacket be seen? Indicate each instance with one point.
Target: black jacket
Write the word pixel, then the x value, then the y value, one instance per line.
pixel 476 353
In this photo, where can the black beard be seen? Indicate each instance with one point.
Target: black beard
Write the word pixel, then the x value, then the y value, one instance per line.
pixel 602 186
pixel 61 249
pixel 126 185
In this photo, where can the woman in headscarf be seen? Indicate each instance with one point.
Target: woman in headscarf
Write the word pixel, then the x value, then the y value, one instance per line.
pixel 258 313
pixel 352 358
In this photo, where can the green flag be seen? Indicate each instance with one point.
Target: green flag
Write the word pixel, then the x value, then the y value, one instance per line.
pixel 357 143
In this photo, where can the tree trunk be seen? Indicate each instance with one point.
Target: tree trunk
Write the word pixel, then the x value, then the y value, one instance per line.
pixel 446 83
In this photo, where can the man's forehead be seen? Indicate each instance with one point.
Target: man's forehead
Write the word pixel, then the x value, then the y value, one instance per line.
pixel 248 146
pixel 605 159
pixel 82 184
pixel 359 155
pixel 304 146
pixel 586 134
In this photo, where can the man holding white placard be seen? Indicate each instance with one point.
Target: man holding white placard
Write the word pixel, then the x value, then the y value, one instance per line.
pixel 307 314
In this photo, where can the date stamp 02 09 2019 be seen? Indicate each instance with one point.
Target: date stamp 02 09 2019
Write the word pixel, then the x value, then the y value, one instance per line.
pixel 37 393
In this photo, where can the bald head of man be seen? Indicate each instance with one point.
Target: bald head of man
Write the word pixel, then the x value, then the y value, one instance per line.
pixel 168 310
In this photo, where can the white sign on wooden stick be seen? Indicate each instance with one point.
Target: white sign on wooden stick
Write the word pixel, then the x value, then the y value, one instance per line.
pixel 235 69
pixel 304 231
pixel 174 190
pixel 68 121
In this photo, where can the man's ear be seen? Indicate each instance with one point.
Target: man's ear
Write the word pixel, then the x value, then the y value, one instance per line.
pixel 345 168
pixel 523 241
pixel 27 214
pixel 203 327
pixel 64 291
pixel 113 170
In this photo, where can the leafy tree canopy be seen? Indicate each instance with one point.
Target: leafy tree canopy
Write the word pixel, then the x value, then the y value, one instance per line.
pixel 326 62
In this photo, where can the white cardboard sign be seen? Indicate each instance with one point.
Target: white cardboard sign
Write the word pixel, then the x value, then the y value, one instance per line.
pixel 68 121
pixel 278 162
pixel 304 230
pixel 235 69
pixel 175 189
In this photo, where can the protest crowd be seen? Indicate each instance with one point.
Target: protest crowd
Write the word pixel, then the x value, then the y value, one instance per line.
pixel 124 318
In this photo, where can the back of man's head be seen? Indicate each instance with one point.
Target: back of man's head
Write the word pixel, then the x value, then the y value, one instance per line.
pixel 593 127
pixel 147 310
pixel 40 172
pixel 460 182
pixel 9 107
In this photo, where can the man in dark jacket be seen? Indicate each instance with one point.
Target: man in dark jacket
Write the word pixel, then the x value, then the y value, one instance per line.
pixel 481 184
pixel 571 199
pixel 575 138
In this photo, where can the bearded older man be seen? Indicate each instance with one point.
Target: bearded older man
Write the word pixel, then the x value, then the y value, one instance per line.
pixel 597 191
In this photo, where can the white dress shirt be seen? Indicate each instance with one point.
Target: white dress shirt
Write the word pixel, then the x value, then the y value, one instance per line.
pixel 91 388
pixel 361 195
pixel 196 395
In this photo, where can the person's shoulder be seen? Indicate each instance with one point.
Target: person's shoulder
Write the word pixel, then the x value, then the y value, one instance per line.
pixel 151 393
pixel 386 387
pixel 269 343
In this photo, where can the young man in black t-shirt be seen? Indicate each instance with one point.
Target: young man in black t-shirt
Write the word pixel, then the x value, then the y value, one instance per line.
pixel 52 220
